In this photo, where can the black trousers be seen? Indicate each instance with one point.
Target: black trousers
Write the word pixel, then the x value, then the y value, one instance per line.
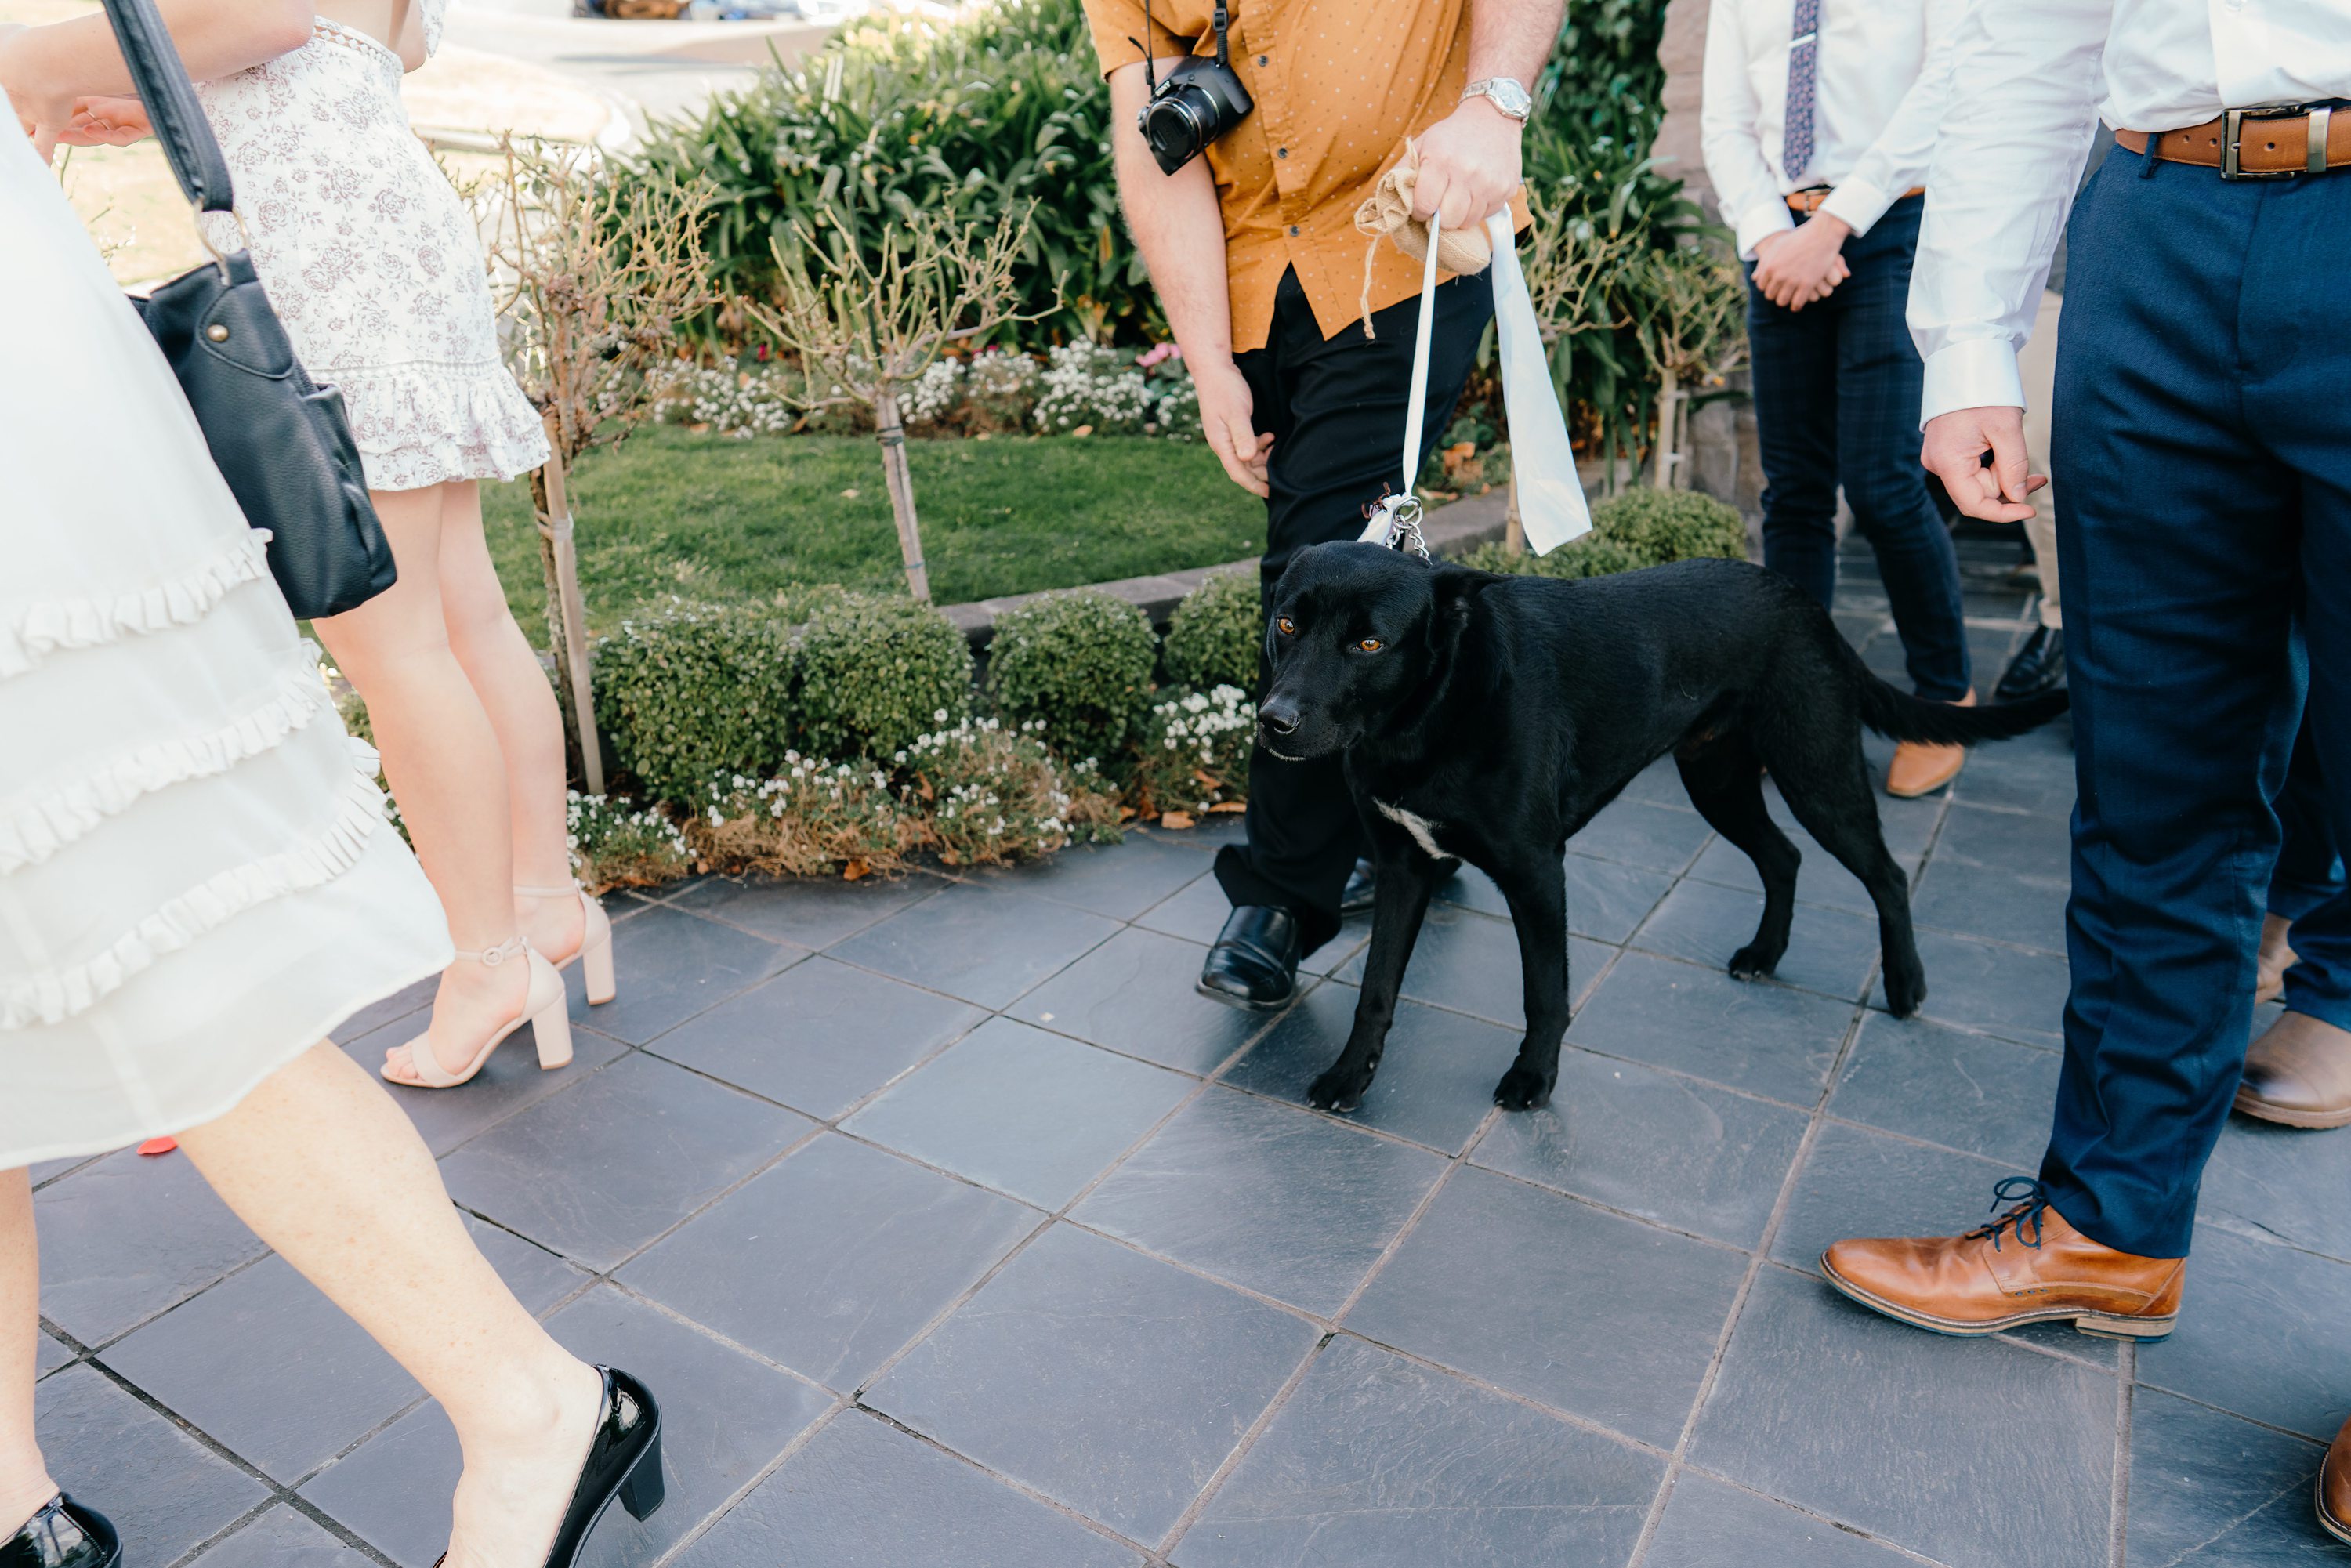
pixel 1336 409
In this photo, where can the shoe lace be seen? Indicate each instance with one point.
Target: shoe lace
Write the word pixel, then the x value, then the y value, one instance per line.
pixel 2029 1198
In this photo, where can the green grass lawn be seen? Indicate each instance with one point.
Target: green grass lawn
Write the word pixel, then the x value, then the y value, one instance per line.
pixel 716 518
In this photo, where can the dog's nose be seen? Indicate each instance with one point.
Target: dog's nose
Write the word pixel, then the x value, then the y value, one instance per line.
pixel 1279 715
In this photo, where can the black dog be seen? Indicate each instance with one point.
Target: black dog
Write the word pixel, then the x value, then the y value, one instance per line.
pixel 1487 718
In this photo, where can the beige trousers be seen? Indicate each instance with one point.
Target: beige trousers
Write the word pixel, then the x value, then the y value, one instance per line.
pixel 2036 364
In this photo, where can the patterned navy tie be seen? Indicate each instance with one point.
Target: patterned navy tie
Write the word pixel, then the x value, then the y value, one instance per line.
pixel 1803 55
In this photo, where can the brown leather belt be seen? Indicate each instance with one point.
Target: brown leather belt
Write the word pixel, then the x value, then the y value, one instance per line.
pixel 2256 143
pixel 1808 202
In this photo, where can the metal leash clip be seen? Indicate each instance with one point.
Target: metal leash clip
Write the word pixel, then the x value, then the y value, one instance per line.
pixel 1395 522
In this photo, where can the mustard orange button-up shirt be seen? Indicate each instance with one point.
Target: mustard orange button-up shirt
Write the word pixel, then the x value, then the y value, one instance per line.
pixel 1339 84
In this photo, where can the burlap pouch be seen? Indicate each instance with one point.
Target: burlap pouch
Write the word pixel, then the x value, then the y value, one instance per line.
pixel 1386 214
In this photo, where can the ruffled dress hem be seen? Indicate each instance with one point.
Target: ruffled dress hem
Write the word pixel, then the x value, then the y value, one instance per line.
pixel 330 1018
pixel 419 424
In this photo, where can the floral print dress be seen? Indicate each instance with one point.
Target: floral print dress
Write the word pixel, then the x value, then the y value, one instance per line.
pixel 371 258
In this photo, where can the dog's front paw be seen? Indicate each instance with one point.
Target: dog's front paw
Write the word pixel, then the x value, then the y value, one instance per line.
pixel 1337 1090
pixel 1523 1089
pixel 1752 963
pixel 1905 993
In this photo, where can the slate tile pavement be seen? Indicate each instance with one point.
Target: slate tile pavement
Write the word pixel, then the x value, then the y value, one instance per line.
pixel 954 1229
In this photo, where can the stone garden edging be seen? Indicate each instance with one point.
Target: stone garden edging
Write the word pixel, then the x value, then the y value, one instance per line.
pixel 1451 528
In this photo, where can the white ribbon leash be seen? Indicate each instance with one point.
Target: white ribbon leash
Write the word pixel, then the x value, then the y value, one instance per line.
pixel 1551 508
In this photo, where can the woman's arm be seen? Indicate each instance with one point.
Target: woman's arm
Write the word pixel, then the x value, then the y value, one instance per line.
pixel 45 69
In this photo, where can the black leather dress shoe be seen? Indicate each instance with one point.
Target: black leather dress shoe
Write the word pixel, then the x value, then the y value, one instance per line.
pixel 1255 961
pixel 63 1535
pixel 1363 886
pixel 2038 666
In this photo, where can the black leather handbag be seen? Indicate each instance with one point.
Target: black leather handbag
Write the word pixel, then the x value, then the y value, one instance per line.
pixel 281 441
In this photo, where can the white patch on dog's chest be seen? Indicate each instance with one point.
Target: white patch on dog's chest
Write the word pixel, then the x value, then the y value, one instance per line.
pixel 1423 830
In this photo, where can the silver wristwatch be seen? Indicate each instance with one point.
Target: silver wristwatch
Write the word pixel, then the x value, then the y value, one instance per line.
pixel 1504 93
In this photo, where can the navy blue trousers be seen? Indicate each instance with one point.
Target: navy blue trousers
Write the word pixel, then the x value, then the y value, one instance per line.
pixel 2309 868
pixel 2202 440
pixel 1836 402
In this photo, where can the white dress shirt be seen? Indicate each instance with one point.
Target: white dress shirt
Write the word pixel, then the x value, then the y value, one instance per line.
pixel 2029 80
pixel 1876 103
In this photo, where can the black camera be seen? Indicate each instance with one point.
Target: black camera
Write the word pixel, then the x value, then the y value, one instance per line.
pixel 1199 101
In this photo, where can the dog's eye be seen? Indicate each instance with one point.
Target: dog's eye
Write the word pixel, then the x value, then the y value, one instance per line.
pixel 1285 625
pixel 1371 644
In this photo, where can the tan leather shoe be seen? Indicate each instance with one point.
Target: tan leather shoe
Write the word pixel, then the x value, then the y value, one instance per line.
pixel 2335 1488
pixel 2276 958
pixel 1920 768
pixel 2299 1073
pixel 2029 1266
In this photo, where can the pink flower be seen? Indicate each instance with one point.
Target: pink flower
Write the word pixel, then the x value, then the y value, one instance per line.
pixel 1160 353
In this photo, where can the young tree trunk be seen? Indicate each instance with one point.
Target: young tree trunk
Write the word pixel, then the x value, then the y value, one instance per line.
pixel 890 429
pixel 560 558
pixel 1514 529
pixel 1668 413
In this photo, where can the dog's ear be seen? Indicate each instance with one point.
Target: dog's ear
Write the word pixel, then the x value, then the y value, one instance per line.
pixel 1457 590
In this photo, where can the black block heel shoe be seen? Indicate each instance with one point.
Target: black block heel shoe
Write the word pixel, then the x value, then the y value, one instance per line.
pixel 624 1462
pixel 63 1535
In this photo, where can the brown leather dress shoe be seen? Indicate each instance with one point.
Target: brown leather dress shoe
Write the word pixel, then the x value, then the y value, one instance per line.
pixel 2299 1073
pixel 2029 1266
pixel 1920 768
pixel 2335 1488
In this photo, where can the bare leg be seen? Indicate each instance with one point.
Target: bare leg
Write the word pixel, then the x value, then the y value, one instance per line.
pixel 506 674
pixel 324 1168
pixel 442 758
pixel 24 1483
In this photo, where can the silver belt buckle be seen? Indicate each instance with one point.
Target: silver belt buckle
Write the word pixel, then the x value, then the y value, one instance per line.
pixel 2233 134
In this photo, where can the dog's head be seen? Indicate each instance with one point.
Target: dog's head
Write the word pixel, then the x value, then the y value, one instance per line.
pixel 1355 630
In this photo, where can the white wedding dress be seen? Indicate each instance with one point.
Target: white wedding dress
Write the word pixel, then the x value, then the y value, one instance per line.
pixel 197 880
pixel 371 258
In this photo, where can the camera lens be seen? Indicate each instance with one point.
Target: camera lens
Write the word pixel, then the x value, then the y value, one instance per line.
pixel 1177 129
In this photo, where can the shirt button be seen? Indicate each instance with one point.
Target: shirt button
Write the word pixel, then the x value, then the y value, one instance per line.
pixel 1293 231
pixel 1281 151
pixel 1261 59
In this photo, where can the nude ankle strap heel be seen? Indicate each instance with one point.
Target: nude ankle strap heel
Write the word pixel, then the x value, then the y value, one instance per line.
pixel 595 954
pixel 544 1009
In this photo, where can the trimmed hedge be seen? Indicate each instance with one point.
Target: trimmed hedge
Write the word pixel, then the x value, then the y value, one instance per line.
pixel 694 692
pixel 1081 663
pixel 876 672
pixel 1640 527
pixel 1216 634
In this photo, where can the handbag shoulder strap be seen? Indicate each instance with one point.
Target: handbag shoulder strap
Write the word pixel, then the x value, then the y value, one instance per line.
pixel 161 81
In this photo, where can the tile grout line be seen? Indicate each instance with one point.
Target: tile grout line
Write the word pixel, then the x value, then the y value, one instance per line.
pixel 2118 1503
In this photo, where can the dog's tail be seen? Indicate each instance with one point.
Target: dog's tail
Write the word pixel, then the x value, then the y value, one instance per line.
pixel 1898 715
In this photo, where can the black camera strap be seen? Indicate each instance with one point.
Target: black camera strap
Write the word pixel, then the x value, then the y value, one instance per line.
pixel 1224 48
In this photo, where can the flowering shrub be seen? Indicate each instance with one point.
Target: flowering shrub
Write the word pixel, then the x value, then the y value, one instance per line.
pixel 999 390
pixel 1643 526
pixel 741 402
pixel 615 844
pixel 693 692
pixel 988 794
pixel 937 393
pixel 815 817
pixel 1079 665
pixel 876 672
pixel 1095 388
pixel 1215 636
pixel 1196 751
